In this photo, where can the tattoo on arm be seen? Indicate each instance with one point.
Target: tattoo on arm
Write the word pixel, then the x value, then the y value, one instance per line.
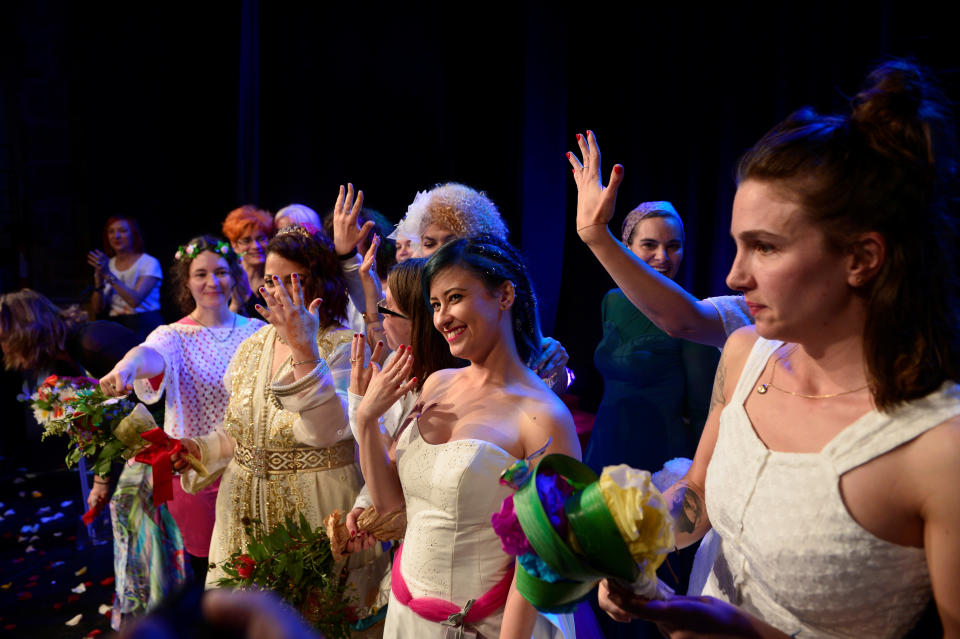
pixel 717 399
pixel 686 507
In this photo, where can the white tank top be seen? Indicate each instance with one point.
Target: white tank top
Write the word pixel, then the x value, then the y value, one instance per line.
pixel 791 554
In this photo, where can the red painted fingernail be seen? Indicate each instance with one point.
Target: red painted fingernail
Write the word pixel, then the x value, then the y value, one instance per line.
pixel 578 137
pixel 263 290
pixel 414 380
pixel 409 348
pixel 296 277
pixel 353 533
pixel 568 155
pixel 618 169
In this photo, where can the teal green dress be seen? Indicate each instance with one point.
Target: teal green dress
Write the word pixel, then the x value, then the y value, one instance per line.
pixel 656 391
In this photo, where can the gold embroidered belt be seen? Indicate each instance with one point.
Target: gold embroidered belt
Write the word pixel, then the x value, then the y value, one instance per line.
pixel 277 461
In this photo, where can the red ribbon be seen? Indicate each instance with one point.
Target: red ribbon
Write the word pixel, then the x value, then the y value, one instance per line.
pixel 162 446
pixel 91 514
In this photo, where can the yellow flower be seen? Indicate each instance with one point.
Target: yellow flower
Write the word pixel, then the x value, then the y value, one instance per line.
pixel 640 513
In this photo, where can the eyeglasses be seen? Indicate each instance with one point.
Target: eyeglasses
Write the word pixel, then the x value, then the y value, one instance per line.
pixel 383 310
pixel 247 242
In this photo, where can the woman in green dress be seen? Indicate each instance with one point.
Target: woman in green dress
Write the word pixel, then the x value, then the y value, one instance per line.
pixel 656 387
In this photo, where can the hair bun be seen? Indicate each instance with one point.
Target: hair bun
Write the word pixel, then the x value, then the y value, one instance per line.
pixel 896 110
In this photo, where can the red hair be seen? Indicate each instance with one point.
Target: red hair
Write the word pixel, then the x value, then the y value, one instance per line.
pixel 136 237
pixel 243 220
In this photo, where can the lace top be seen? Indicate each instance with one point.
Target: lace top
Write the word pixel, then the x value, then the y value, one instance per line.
pixel 194 360
pixel 791 553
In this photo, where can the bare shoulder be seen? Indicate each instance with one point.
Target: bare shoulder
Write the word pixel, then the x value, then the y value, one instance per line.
pixel 438 382
pixel 931 460
pixel 548 417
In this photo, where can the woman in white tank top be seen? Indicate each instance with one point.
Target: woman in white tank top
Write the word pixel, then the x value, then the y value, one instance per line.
pixel 828 464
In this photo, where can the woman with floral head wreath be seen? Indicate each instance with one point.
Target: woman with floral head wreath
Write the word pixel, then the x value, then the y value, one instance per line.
pixel 470 424
pixel 183 363
pixel 828 462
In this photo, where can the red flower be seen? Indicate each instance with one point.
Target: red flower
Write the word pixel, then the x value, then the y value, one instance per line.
pixel 244 565
pixel 50 381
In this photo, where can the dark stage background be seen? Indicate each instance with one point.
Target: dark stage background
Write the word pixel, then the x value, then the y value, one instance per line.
pixel 177 113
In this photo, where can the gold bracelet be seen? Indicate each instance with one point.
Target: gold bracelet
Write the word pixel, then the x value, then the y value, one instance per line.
pixel 307 361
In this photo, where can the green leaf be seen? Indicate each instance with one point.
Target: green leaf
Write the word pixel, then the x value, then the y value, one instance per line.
pixel 257 551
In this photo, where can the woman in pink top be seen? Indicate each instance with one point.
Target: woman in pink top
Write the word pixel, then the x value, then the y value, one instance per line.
pixel 190 357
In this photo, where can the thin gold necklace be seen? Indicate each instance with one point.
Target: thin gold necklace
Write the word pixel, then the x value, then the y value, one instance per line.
pixel 233 326
pixel 763 388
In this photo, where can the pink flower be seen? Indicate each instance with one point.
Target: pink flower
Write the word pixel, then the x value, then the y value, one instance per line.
pixel 507 526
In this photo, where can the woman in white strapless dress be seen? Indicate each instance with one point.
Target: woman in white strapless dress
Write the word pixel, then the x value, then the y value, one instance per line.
pixel 469 425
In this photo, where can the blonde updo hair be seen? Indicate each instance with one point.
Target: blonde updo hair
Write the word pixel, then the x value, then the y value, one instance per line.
pixel 463 211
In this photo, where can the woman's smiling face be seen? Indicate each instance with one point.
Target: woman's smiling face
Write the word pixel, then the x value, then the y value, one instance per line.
pixel 466 313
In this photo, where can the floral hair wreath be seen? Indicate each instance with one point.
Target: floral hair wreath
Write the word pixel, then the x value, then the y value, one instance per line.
pixel 193 249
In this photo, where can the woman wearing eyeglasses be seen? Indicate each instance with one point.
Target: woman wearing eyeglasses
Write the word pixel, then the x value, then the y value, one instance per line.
pixel 249 229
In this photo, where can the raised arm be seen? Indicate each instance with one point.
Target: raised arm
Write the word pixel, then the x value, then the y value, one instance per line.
pixel 385 388
pixel 659 298
pixel 347 236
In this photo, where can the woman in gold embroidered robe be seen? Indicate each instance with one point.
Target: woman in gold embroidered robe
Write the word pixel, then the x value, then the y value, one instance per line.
pixel 285 446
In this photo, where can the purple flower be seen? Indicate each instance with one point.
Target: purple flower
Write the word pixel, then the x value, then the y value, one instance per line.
pixel 554 491
pixel 505 524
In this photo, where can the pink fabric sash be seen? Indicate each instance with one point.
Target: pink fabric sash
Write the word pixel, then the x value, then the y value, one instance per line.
pixel 440 610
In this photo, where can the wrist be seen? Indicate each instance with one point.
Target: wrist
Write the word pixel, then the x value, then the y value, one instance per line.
pixel 346 255
pixel 592 234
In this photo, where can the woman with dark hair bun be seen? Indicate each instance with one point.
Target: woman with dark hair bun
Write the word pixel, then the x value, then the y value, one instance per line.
pixel 828 463
pixel 126 280
pixel 285 447
pixel 471 423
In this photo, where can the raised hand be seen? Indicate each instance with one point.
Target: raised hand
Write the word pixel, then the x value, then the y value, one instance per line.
pixel 296 323
pixel 595 203
pixel 386 386
pixel 360 373
pixel 347 232
pixel 368 267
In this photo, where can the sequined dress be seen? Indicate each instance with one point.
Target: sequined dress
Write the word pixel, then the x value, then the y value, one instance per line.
pixel 287 448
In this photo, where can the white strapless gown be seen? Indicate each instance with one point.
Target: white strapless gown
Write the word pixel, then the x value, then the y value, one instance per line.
pixel 450 550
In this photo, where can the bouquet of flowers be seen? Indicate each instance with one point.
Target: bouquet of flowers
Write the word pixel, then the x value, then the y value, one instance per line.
pixel 76 408
pixel 569 529
pixel 294 560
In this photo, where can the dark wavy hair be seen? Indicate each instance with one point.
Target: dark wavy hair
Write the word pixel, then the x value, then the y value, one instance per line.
pixel 136 236
pixel 180 269
pixel 889 167
pixel 494 261
pixel 430 350
pixel 316 254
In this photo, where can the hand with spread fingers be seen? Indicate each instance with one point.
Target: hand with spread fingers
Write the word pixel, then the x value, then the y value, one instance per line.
pixel 387 385
pixel 360 372
pixel 347 232
pixel 296 323
pixel 595 202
